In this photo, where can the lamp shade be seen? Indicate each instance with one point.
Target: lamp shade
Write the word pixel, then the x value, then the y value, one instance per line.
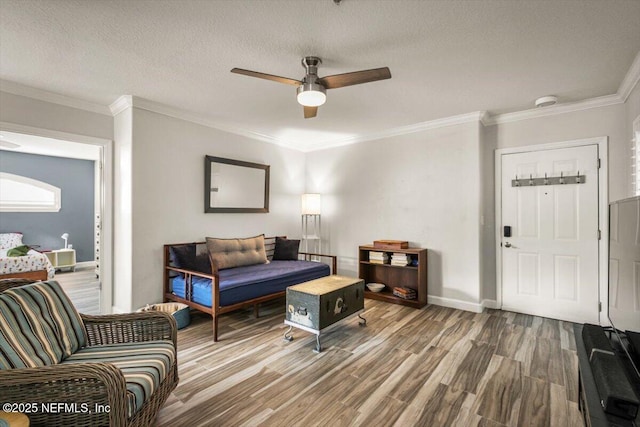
pixel 65 237
pixel 311 204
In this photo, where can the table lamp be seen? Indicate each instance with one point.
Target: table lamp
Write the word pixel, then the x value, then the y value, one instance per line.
pixel 65 236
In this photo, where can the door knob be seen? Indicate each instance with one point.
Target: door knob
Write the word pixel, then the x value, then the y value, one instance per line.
pixel 507 245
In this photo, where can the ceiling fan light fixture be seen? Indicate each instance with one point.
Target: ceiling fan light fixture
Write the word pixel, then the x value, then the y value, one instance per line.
pixel 311 95
pixel 311 90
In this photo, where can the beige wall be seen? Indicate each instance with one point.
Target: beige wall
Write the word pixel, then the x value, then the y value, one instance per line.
pixel 487 245
pixel 45 115
pixel 167 193
pixel 434 188
pixel 159 185
pixel 423 187
pixel 603 121
pixel 414 187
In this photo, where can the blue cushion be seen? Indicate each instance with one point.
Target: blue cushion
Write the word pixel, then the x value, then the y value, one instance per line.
pixel 243 283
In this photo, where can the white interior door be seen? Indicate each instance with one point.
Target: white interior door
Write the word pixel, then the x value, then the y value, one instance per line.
pixel 550 262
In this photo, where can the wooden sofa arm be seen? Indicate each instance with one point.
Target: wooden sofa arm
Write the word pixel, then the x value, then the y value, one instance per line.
pixel 130 327
pixel 334 259
pixel 86 389
pixel 191 272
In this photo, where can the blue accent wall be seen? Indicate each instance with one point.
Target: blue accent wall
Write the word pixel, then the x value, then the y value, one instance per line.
pixel 75 178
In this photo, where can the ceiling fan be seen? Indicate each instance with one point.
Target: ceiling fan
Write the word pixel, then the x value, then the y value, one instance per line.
pixel 312 89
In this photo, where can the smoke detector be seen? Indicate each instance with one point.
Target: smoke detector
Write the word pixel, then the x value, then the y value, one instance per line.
pixel 546 101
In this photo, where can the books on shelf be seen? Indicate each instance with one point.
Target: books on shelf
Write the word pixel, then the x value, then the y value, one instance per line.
pixel 405 293
pixel 400 259
pixel 378 257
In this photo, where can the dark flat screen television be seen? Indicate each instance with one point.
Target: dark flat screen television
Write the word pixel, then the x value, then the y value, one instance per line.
pixel 624 280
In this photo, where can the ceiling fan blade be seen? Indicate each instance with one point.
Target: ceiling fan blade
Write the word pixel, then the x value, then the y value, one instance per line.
pixel 310 112
pixel 278 79
pixel 355 78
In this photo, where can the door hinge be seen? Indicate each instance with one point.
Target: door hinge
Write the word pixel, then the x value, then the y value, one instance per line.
pixel 599 163
pixel 599 235
pixel 600 307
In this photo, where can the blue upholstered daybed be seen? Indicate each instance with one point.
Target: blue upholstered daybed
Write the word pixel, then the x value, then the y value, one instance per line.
pixel 210 276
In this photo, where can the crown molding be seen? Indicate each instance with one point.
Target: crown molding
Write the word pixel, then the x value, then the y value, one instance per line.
pixel 121 104
pixel 475 117
pixel 485 118
pixel 601 101
pixel 627 85
pixel 54 98
pixel 630 79
pixel 126 101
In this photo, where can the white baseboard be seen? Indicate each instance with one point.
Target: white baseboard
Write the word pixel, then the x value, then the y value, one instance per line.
pixel 490 303
pixel 455 303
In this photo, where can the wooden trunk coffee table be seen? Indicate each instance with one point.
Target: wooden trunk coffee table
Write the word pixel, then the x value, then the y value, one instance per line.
pixel 317 305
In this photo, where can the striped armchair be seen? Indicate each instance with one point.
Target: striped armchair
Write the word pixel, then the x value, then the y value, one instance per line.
pixel 62 368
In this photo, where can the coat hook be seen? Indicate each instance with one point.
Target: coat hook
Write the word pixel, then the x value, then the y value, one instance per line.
pixel 546 180
pixel 530 179
pixel 561 178
pixel 578 178
pixel 517 181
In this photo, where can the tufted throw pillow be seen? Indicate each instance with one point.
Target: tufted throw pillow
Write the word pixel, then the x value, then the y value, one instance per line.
pixel 229 253
pixel 286 249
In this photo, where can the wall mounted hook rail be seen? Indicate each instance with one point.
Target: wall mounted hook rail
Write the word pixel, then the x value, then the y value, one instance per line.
pixel 554 180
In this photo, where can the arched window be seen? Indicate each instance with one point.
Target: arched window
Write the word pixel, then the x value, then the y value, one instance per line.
pixel 22 194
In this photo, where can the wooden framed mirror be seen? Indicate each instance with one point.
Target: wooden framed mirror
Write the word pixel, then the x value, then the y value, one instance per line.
pixel 234 186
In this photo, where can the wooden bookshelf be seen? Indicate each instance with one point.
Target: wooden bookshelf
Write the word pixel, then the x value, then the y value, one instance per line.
pixel 414 277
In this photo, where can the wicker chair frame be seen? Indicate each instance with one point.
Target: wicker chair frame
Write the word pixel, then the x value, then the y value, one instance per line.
pixel 91 383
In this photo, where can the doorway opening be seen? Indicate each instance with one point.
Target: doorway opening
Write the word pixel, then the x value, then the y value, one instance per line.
pixel 77 239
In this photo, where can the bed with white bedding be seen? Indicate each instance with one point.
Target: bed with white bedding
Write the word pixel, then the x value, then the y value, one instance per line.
pixel 34 265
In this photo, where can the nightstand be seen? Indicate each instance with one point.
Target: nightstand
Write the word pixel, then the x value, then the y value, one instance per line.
pixel 62 258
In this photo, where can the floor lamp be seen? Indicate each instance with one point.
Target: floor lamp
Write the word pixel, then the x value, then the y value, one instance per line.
pixel 311 224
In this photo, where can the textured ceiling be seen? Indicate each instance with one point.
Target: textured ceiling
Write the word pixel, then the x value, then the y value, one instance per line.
pixel 446 57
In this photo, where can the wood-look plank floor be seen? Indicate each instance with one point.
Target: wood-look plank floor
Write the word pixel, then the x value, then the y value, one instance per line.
pixel 431 367
pixel 83 288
